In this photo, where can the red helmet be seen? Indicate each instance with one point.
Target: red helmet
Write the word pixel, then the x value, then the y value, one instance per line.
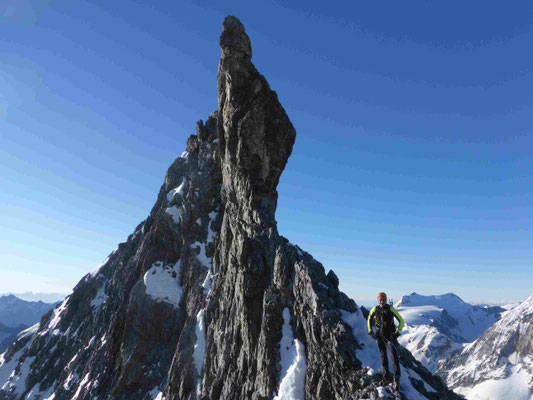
pixel 382 294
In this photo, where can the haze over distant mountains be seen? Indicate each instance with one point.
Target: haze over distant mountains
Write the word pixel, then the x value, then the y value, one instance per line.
pixel 16 315
pixel 15 312
pixel 33 296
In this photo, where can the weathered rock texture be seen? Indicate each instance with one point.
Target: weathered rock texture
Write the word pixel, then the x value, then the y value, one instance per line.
pixel 225 277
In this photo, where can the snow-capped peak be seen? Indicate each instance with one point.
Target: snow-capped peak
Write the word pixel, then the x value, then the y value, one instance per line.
pixel 439 325
pixel 498 365
pixel 459 320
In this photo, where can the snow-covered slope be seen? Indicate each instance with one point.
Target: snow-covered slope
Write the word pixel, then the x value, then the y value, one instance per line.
pixel 498 365
pixel 437 326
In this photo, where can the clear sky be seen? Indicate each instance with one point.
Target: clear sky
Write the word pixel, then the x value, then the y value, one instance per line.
pixel 412 168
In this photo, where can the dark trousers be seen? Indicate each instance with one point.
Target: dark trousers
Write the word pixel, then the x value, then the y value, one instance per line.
pixel 383 345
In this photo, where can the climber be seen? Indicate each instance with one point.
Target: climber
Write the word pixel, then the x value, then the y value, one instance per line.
pixel 382 318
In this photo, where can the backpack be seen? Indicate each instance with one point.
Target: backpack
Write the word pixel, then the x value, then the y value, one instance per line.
pixel 384 320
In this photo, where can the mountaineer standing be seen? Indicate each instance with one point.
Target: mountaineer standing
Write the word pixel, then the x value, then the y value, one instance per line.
pixel 382 318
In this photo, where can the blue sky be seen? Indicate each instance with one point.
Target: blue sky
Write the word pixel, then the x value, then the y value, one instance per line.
pixel 412 168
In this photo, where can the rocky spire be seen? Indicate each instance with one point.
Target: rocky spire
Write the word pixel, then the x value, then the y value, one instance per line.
pixel 234 42
pixel 256 139
pixel 256 136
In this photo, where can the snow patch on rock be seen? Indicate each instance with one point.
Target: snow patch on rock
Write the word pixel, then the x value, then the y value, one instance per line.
pixel 16 383
pixel 36 394
pixel 32 330
pixel 414 375
pixel 83 383
pixel 174 212
pixel 179 190
pixel 211 234
pixel 96 271
pixel 206 285
pixel 369 354
pixel 202 256
pixel 52 325
pixel 293 363
pixel 162 284
pixel 7 367
pixel 156 394
pixel 100 296
pixel 199 346
pixel 73 377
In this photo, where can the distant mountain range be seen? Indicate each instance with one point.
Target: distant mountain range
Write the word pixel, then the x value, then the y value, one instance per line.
pixel 499 364
pixel 44 297
pixel 15 312
pixel 436 326
pixel 16 315
pixel 482 352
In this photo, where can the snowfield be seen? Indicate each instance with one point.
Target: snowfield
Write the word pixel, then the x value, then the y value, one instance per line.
pixel 514 387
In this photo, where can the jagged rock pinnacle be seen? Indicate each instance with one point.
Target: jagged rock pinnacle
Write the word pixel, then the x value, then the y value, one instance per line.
pixel 256 135
pixel 233 40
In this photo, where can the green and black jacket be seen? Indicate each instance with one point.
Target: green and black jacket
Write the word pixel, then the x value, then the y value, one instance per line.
pixel 383 319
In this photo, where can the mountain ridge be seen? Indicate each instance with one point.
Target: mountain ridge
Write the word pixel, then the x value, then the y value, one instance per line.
pixel 36 296
pixel 437 326
pixel 499 362
pixel 16 315
pixel 15 311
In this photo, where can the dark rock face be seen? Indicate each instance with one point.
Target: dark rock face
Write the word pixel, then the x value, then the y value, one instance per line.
pixel 111 338
pixel 256 139
pixel 206 300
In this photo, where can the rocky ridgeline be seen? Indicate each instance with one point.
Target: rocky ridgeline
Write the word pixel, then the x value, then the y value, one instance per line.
pixel 206 300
